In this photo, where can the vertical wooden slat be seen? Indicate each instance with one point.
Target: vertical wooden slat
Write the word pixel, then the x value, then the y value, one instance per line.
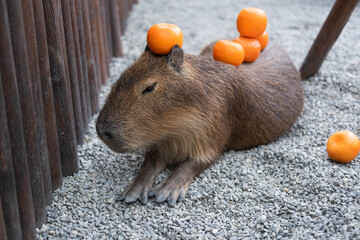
pixel 47 95
pixel 115 28
pixel 28 13
pixel 79 64
pixel 104 36
pixel 61 87
pixel 73 75
pixel 122 15
pixel 95 42
pixel 130 4
pixel 27 107
pixel 2 224
pixel 99 32
pixel 126 10
pixel 84 63
pixel 90 59
pixel 16 134
pixel 108 28
pixel 8 198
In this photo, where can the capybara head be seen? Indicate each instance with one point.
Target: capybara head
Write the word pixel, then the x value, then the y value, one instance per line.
pixel 154 100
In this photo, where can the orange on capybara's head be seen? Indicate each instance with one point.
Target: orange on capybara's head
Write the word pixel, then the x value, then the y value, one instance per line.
pixel 162 37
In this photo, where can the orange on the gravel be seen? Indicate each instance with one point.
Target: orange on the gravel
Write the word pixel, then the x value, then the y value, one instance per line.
pixel 162 37
pixel 343 146
pixel 251 22
pixel 263 40
pixel 251 47
pixel 228 52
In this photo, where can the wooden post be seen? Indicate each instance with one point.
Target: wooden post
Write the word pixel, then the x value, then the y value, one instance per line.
pixel 330 31
pixel 8 198
pixel 28 13
pixel 108 57
pixel 115 28
pixel 27 108
pixel 95 42
pixel 79 65
pixel 130 4
pixel 16 134
pixel 124 9
pixel 47 96
pixel 61 87
pixel 84 63
pixel 2 223
pixel 108 28
pixel 90 59
pixel 122 15
pixel 73 75
pixel 101 41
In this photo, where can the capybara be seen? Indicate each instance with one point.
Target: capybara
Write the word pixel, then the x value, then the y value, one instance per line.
pixel 186 110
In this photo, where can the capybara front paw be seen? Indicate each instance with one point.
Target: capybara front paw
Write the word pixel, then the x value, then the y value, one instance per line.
pixel 170 192
pixel 133 192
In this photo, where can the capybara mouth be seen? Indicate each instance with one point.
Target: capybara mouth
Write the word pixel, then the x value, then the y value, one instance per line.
pixel 118 147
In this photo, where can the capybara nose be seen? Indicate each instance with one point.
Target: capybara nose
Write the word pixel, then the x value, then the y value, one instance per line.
pixel 104 132
pixel 108 135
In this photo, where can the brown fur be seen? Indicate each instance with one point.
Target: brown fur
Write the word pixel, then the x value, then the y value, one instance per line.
pixel 198 109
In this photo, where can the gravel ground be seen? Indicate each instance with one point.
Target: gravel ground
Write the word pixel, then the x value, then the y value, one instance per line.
pixel 288 189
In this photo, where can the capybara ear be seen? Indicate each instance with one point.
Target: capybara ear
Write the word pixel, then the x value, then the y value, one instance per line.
pixel 176 58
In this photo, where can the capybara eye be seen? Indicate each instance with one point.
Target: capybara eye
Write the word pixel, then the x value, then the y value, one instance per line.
pixel 149 89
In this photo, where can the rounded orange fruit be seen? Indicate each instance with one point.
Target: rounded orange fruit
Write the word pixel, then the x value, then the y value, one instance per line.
pixel 228 52
pixel 343 146
pixel 251 47
pixel 251 22
pixel 263 40
pixel 162 37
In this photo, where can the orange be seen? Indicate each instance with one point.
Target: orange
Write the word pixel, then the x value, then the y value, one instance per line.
pixel 251 46
pixel 162 37
pixel 343 146
pixel 251 22
pixel 228 52
pixel 263 40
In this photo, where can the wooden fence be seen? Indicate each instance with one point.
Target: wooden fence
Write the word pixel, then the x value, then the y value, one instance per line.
pixel 54 58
